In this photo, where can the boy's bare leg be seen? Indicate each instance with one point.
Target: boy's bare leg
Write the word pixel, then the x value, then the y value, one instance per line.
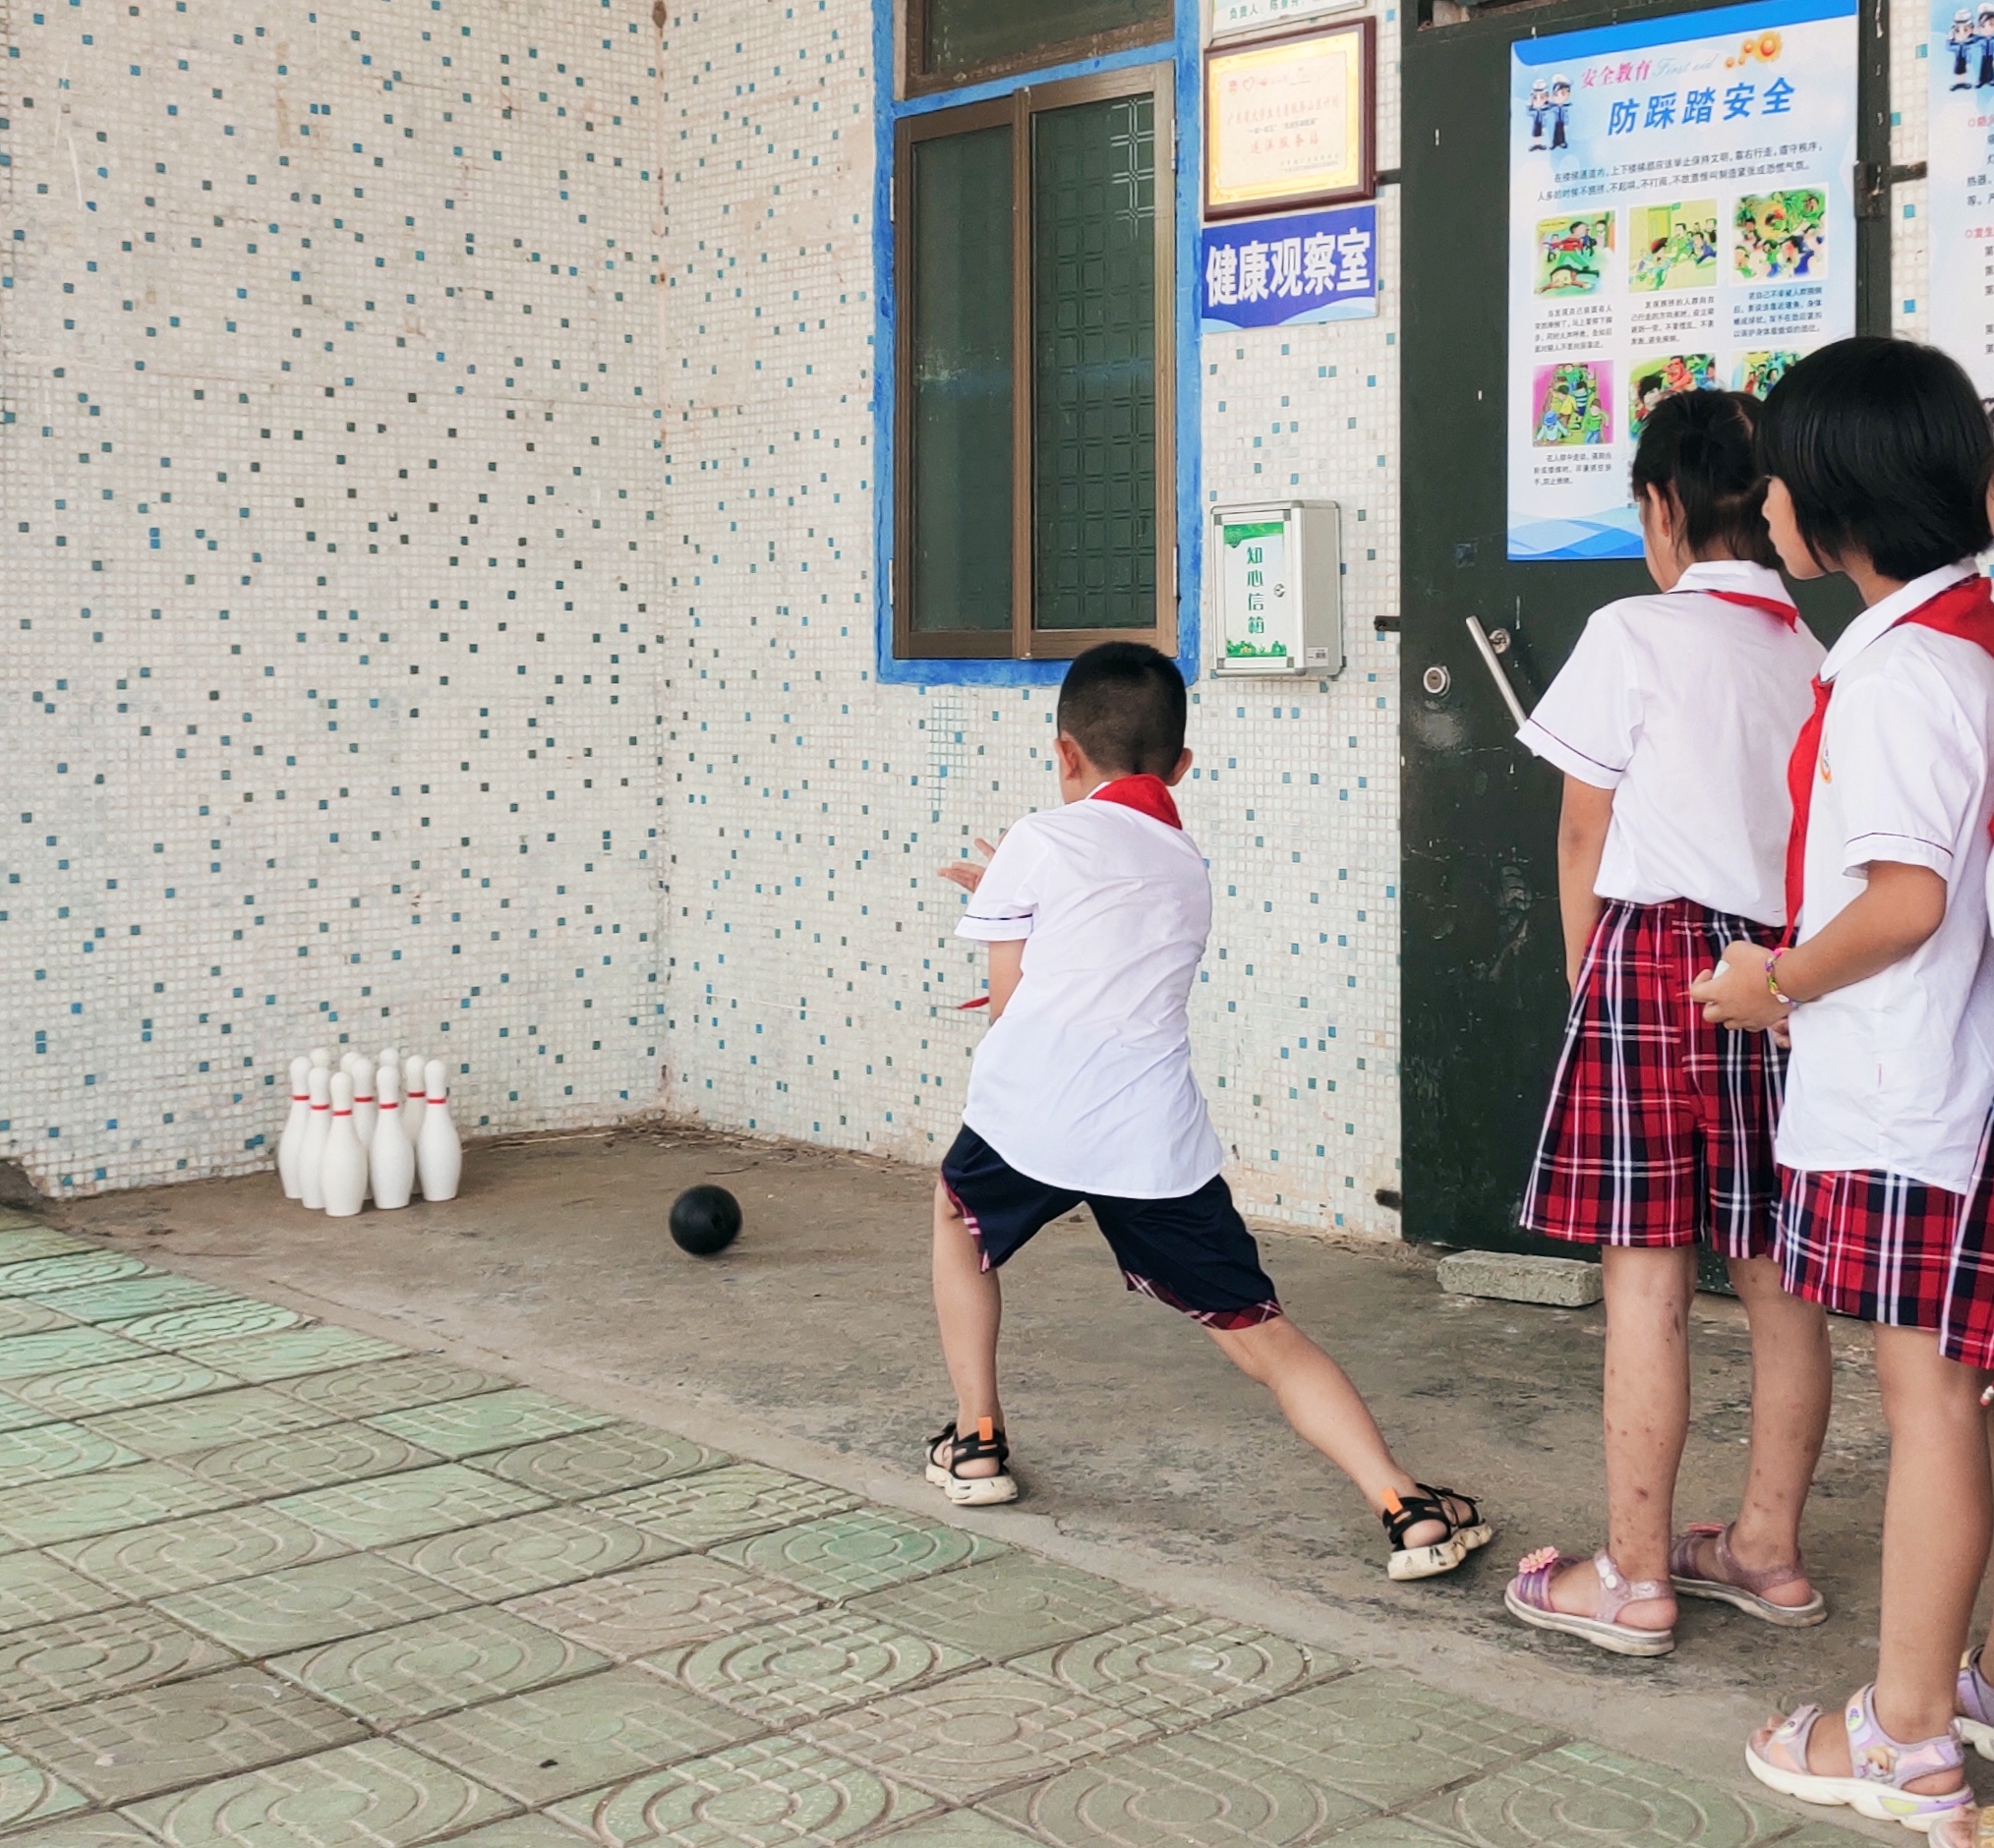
pixel 968 1306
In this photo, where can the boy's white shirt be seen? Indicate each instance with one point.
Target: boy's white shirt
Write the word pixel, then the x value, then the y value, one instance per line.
pixel 1085 1081
pixel 1895 1073
pixel 1686 707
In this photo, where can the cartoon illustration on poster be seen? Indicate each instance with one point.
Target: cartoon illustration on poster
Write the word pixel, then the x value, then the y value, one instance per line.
pixel 1960 168
pixel 1680 209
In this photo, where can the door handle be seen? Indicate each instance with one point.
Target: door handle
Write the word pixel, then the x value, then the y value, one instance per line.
pixel 1485 649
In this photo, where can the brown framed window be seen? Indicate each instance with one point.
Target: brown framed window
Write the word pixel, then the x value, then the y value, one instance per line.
pixel 951 42
pixel 1035 468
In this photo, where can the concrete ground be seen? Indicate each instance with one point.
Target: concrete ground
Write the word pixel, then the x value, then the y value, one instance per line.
pixel 1253 1676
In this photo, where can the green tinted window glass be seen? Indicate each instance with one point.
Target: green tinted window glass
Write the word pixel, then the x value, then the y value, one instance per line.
pixel 964 33
pixel 1093 327
pixel 962 383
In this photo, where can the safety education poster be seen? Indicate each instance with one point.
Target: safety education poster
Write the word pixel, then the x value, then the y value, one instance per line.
pixel 1682 217
pixel 1960 209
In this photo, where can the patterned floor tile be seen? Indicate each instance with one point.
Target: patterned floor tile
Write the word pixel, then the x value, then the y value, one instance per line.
pixel 1586 1794
pixel 303 1607
pixel 372 1795
pixel 128 1298
pixel 867 1550
pixel 405 1380
pixel 63 1351
pixel 655 1607
pixel 208 1549
pixel 23 1316
pixel 38 1588
pixel 411 1505
pixel 531 1552
pixel 1180 1667
pixel 133 1744
pixel 150 1381
pixel 43 1451
pixel 293 1461
pixel 959 1828
pixel 260 1358
pixel 195 1325
pixel 21 1238
pixel 463 1427
pixel 975 1733
pixel 800 1667
pixel 727 1504
pixel 107 1502
pixel 758 1796
pixel 397 1676
pixel 65 1270
pixel 516 1831
pixel 600 1461
pixel 579 1735
pixel 17 1416
pixel 29 1794
pixel 84 1831
pixel 81 1659
pixel 1013 1605
pixel 186 1425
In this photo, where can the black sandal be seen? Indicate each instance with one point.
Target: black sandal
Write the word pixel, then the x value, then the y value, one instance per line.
pixel 947 1451
pixel 1403 1513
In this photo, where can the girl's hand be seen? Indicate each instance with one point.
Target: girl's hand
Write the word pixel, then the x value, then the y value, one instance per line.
pixel 967 873
pixel 1734 994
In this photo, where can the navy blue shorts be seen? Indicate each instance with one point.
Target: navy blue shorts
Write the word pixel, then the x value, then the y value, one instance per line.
pixel 1194 1252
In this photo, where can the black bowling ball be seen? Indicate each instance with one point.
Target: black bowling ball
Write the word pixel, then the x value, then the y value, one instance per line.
pixel 705 1221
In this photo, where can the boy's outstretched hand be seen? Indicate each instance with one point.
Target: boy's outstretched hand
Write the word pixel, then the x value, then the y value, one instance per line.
pixel 967 873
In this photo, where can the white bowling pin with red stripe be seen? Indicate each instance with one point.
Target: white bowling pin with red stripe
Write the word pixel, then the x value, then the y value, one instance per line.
pixel 342 1168
pixel 439 1155
pixel 316 1133
pixel 292 1144
pixel 390 1159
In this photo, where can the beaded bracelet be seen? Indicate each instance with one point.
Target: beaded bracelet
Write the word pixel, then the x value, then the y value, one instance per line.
pixel 1773 980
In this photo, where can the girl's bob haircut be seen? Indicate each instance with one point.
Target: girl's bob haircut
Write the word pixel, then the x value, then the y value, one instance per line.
pixel 1698 448
pixel 1885 452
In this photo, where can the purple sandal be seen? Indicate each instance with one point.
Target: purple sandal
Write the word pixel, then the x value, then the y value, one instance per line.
pixel 1740 1585
pixel 1884 1765
pixel 1529 1601
pixel 1975 1708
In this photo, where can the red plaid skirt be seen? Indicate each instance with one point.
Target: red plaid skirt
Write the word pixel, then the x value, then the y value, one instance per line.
pixel 1660 1130
pixel 1967 1317
pixel 1868 1243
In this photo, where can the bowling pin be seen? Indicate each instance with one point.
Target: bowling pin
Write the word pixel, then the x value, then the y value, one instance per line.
pixel 439 1156
pixel 389 1058
pixel 413 1076
pixel 321 1058
pixel 342 1168
pixel 293 1141
pixel 364 1100
pixel 390 1159
pixel 316 1133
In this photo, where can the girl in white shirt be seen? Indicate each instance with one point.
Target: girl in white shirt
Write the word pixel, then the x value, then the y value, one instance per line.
pixel 1673 721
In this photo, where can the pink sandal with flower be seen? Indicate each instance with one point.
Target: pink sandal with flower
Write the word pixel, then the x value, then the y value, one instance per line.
pixel 1882 1766
pixel 1529 1600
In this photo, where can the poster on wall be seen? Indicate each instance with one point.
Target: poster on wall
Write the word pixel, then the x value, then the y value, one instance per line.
pixel 1276 272
pixel 1961 166
pixel 1681 218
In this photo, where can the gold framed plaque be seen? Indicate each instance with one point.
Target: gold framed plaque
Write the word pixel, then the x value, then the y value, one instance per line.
pixel 1290 121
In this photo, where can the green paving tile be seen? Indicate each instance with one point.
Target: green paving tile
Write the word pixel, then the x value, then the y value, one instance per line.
pixel 105 1503
pixel 38 1588
pixel 386 1385
pixel 304 1605
pixel 293 1461
pixel 208 1549
pixel 516 1831
pixel 755 1796
pixel 462 1427
pixel 1181 1668
pixel 386 1509
pixel 1586 1794
pixel 801 1667
pixel 421 1669
pixel 128 1746
pixel 579 1735
pixel 974 1733
pixel 727 1504
pixel 79 1659
pixel 29 1794
pixel 129 1297
pixel 611 1457
pixel 373 1795
pixel 63 1351
pixel 866 1550
pixel 84 1831
pixel 232 1318
pixel 1011 1607
pixel 185 1425
pixel 656 1607
pixel 260 1358
pixel 531 1552
pixel 23 1239
pixel 43 1451
pixel 57 1271
pixel 17 1417
pixel 23 1316
pixel 149 1380
pixel 959 1828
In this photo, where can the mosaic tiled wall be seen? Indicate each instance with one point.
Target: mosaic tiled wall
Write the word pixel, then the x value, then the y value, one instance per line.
pixel 331 461
pixel 812 978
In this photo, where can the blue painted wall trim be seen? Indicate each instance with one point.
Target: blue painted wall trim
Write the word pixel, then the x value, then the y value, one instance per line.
pixel 1190 143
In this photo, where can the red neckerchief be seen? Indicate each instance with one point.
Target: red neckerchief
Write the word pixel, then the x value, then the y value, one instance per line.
pixel 1147 796
pixel 1772 605
pixel 1964 609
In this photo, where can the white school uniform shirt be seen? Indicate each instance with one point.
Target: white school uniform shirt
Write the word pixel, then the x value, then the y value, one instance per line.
pixel 1686 707
pixel 1084 1081
pixel 1895 1073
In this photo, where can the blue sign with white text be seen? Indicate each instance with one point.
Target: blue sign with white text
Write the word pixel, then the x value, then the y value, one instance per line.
pixel 1275 273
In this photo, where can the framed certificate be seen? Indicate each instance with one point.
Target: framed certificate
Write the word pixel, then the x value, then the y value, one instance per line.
pixel 1290 121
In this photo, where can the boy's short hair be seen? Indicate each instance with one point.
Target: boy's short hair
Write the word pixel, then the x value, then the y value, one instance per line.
pixel 1885 451
pixel 1122 703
